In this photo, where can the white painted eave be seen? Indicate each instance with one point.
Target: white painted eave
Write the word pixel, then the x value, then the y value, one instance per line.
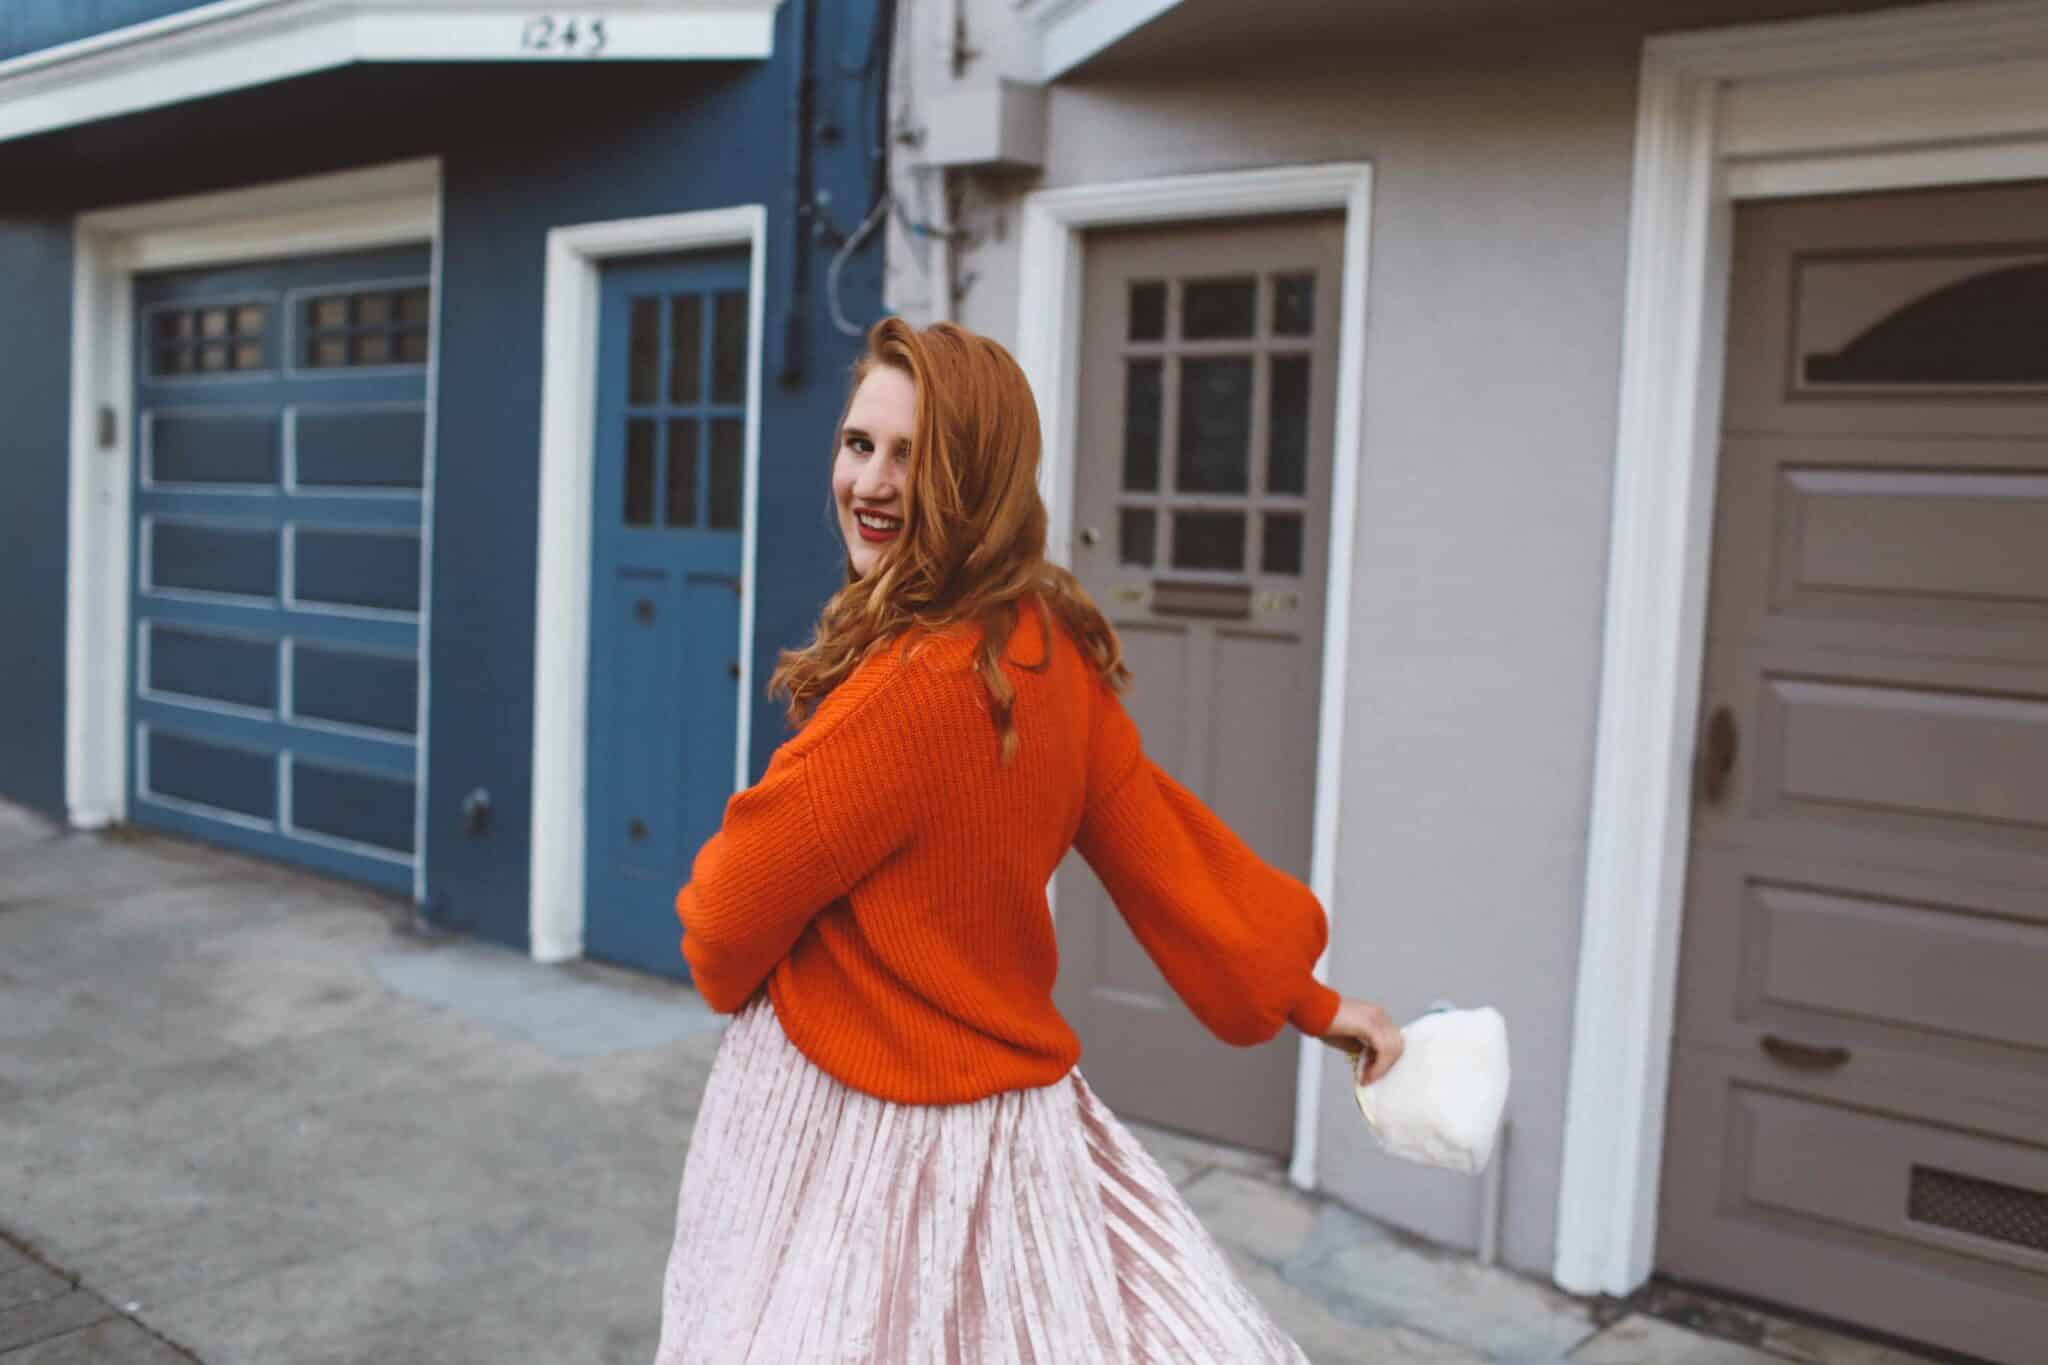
pixel 234 44
pixel 1072 31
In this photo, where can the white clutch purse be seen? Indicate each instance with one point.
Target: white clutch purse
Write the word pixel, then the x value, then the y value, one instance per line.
pixel 1441 1103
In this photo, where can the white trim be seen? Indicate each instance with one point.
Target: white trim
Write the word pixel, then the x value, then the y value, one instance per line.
pixel 568 416
pixel 1072 31
pixel 431 461
pixel 1048 343
pixel 1954 95
pixel 358 209
pixel 235 44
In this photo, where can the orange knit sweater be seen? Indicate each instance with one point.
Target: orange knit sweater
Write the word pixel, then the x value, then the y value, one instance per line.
pixel 886 879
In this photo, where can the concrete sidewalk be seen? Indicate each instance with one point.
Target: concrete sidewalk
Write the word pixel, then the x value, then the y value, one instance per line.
pixel 249 1116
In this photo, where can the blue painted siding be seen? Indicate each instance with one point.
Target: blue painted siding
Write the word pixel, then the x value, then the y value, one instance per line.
pixel 523 150
pixel 32 25
pixel 711 152
pixel 35 376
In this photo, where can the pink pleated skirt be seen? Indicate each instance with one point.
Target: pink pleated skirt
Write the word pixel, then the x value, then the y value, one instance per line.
pixel 819 1224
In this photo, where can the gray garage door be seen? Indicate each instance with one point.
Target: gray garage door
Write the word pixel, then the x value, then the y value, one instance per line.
pixel 1859 1115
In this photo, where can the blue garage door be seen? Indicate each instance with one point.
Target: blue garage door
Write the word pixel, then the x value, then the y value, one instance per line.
pixel 280 480
pixel 666 530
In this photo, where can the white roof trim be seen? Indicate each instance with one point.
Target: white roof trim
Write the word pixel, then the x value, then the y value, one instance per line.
pixel 1072 31
pixel 237 43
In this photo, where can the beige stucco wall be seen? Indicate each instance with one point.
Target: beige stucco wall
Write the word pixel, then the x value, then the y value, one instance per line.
pixel 1493 341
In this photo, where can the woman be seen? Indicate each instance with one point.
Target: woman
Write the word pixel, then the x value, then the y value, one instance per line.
pixel 896 1160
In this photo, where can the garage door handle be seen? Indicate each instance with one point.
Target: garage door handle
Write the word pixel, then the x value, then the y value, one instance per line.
pixel 1803 1056
pixel 1717 755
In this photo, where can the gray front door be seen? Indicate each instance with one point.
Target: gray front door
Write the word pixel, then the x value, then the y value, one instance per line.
pixel 1202 514
pixel 1859 1109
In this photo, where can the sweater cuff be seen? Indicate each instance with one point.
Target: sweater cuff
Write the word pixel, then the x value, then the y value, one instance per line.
pixel 1316 1010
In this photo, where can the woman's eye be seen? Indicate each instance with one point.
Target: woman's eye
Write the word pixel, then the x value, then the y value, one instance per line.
pixel 860 445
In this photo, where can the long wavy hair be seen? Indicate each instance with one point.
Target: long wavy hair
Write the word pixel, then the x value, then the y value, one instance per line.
pixel 973 545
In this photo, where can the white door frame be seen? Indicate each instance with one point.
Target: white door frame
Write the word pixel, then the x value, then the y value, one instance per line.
pixel 1048 344
pixel 354 210
pixel 1949 94
pixel 576 256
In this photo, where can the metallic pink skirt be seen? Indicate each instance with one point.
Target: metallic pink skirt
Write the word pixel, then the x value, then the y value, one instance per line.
pixel 819 1224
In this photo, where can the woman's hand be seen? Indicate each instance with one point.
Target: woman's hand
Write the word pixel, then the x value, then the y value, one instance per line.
pixel 1361 1026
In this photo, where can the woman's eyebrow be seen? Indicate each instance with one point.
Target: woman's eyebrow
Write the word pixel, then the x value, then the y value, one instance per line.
pixel 849 431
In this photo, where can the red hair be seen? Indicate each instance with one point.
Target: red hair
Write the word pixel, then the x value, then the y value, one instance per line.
pixel 973 548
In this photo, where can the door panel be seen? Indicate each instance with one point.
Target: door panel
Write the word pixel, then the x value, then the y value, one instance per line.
pixel 1859 1111
pixel 665 585
pixel 1202 516
pixel 279 495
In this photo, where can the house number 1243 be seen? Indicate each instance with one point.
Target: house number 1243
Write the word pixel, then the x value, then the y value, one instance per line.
pixel 569 34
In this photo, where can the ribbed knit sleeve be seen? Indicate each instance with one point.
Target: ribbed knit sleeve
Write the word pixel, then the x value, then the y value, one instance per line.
pixel 1236 938
pixel 798 840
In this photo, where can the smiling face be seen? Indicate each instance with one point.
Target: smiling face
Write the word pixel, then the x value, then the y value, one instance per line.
pixel 871 472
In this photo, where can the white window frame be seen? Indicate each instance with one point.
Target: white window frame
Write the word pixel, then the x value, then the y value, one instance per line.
pixel 1048 348
pixel 391 205
pixel 576 256
pixel 1941 95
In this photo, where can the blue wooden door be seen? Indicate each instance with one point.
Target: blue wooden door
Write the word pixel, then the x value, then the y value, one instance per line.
pixel 670 448
pixel 280 482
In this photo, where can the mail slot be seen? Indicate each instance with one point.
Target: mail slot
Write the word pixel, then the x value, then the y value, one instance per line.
pixel 1223 601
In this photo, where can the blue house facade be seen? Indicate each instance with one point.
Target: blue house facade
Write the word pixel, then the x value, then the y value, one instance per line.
pixel 417 428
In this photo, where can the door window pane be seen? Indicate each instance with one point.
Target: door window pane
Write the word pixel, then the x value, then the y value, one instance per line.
pixel 249 319
pixel 728 475
pixel 686 348
pixel 1294 305
pixel 1287 426
pixel 213 322
pixel 372 327
pixel 1283 543
pixel 1137 531
pixel 682 472
pixel 1208 540
pixel 1968 321
pixel 1218 308
pixel 1148 312
pixel 729 349
pixel 639 509
pixel 1215 425
pixel 643 346
pixel 1141 426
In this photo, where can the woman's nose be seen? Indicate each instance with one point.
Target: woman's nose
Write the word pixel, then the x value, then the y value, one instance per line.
pixel 877 481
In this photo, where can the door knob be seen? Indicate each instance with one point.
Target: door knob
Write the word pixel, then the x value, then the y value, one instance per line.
pixel 1717 755
pixel 636 828
pixel 1090 536
pixel 643 610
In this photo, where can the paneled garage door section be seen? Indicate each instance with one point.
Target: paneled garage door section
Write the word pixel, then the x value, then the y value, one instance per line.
pixel 1859 1112
pixel 281 481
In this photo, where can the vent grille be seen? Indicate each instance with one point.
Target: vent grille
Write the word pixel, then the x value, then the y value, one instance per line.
pixel 1982 1208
